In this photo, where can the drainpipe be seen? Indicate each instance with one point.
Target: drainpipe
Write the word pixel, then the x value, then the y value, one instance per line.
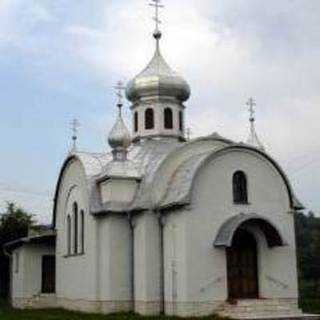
pixel 131 225
pixel 162 285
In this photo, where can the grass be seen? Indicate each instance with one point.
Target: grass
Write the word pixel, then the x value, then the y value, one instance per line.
pixel 7 313
pixel 310 305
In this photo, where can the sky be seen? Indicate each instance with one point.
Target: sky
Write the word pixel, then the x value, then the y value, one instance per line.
pixel 60 59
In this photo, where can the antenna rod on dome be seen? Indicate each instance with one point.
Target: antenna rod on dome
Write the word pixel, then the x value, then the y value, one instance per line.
pixel 157 5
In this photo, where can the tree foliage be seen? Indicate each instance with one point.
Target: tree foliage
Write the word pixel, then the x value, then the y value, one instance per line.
pixel 14 223
pixel 308 252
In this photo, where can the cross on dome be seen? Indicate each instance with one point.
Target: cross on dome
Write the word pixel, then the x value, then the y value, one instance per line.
pixel 119 87
pixel 157 5
pixel 119 137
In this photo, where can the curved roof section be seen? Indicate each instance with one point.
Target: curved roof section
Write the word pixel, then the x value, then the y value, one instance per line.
pixel 181 182
pixel 143 160
pixel 168 172
pixel 227 230
pixel 92 164
pixel 165 168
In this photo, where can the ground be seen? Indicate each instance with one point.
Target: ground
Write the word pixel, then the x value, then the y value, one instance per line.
pixel 7 313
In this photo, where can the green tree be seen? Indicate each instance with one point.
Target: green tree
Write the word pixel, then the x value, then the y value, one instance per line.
pixel 14 224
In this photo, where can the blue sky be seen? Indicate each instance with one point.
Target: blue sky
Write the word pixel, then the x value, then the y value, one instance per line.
pixel 60 59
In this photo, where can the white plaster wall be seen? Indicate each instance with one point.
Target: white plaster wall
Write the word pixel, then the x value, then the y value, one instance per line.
pixel 17 277
pixel 118 190
pixel 147 263
pixel 201 268
pixel 27 282
pixel 115 258
pixel 76 275
pixel 158 119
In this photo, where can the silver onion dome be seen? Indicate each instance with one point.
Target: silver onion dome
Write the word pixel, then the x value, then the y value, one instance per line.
pixel 158 79
pixel 119 136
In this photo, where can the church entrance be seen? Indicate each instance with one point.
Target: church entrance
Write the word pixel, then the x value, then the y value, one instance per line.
pixel 242 266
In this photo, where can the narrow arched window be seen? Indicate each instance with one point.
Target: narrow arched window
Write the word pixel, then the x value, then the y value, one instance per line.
pixel 68 235
pixel 168 118
pixel 75 234
pixel 136 121
pixel 82 230
pixel 240 188
pixel 180 120
pixel 149 119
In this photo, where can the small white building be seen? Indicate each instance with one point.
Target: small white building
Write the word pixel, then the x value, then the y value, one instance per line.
pixel 165 225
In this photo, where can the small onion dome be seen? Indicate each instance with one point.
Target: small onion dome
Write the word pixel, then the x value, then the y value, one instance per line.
pixel 158 79
pixel 119 136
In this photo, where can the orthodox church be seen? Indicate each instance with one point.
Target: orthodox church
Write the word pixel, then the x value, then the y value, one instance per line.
pixel 163 224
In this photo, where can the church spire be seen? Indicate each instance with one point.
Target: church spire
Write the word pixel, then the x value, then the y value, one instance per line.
pixel 253 137
pixel 119 138
pixel 157 95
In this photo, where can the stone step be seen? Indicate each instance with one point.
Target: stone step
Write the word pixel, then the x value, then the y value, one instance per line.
pixel 260 314
pixel 278 317
pixel 249 302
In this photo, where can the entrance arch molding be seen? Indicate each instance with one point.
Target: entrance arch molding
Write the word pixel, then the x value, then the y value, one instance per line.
pixel 227 230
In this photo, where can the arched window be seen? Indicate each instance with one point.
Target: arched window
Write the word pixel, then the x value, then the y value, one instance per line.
pixel 180 120
pixel 75 234
pixel 136 121
pixel 168 118
pixel 149 119
pixel 240 191
pixel 68 235
pixel 82 230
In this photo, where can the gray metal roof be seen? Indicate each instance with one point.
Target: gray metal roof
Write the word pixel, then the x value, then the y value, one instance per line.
pixel 165 168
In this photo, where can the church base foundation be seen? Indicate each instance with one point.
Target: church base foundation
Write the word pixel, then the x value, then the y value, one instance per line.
pixel 43 301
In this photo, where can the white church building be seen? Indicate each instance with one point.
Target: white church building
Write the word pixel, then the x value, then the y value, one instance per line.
pixel 163 224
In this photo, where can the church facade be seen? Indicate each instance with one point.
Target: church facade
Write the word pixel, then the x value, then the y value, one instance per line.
pixel 163 224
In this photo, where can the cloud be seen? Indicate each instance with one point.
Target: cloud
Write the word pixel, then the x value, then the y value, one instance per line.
pixel 227 50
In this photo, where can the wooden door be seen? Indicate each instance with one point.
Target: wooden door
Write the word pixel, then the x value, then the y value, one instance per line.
pixel 48 274
pixel 242 270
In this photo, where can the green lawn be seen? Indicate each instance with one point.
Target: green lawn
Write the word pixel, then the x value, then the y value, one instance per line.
pixel 6 313
pixel 310 305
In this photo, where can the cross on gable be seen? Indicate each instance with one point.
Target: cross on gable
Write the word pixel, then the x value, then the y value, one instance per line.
pixel 251 103
pixel 75 125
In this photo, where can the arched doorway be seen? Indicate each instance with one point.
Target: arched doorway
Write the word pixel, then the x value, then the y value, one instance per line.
pixel 242 266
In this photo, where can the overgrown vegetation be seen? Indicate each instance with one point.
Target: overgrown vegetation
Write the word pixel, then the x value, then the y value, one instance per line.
pixel 308 252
